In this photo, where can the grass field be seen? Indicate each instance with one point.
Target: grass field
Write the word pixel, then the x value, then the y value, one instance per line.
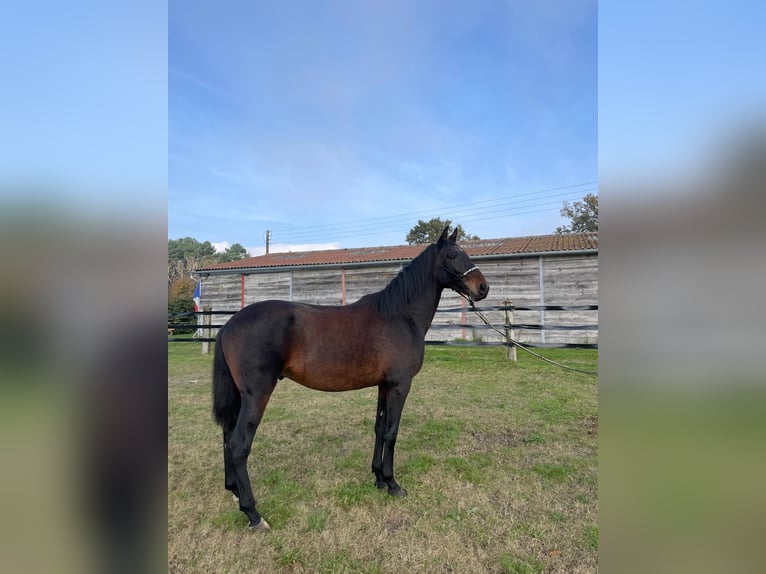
pixel 500 462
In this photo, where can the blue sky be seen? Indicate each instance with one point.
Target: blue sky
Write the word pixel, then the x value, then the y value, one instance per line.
pixel 343 123
pixel 320 125
pixel 83 104
pixel 676 81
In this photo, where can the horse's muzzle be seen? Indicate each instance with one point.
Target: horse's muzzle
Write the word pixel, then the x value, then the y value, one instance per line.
pixel 476 286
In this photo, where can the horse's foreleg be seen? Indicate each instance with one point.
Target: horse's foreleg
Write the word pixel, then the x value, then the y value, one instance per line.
pixel 380 429
pixel 396 396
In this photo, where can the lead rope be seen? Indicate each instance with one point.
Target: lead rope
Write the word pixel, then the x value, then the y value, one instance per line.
pixel 523 347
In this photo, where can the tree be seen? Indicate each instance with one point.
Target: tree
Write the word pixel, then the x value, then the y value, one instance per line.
pixel 180 294
pixel 429 231
pixel 186 255
pixel 188 247
pixel 583 215
pixel 235 252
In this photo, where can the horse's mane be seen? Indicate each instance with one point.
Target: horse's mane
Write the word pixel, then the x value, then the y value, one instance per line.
pixel 410 281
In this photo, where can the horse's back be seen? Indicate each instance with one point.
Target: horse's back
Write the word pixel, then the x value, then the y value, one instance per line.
pixel 265 318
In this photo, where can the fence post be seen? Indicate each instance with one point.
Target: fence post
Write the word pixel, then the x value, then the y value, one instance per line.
pixel 206 331
pixel 510 350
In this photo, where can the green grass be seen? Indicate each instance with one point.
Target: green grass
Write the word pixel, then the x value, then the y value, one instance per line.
pixel 553 472
pixel 229 519
pixel 354 493
pixel 473 468
pixel 437 434
pixel 591 536
pixel 499 460
pixel 534 438
pixel 557 517
pixel 316 520
pixel 512 565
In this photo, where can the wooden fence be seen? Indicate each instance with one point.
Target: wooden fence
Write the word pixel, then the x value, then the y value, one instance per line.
pixel 202 327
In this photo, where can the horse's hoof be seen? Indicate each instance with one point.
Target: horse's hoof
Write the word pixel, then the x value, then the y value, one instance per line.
pixel 262 526
pixel 398 491
pixel 381 484
pixel 235 498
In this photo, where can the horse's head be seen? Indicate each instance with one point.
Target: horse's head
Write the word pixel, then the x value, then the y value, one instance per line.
pixel 457 271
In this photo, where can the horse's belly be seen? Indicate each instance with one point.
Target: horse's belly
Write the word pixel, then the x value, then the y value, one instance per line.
pixel 325 372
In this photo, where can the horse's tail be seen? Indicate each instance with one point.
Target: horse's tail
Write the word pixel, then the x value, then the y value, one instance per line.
pixel 226 398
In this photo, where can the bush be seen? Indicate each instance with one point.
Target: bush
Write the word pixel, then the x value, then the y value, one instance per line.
pixel 180 300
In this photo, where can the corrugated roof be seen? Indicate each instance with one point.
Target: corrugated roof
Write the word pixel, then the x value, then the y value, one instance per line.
pixel 480 247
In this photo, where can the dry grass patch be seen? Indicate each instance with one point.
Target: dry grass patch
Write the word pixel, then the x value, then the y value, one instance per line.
pixel 499 461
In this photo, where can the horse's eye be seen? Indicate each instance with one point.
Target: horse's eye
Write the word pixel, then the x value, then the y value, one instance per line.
pixel 451 255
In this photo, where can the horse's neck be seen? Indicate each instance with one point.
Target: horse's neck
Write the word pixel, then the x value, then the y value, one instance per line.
pixel 413 294
pixel 422 307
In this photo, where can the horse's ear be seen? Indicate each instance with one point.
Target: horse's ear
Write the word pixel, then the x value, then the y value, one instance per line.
pixel 453 237
pixel 444 234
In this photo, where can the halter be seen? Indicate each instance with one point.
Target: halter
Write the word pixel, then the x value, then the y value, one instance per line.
pixel 459 275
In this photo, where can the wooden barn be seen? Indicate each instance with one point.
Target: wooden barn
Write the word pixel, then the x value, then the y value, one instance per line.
pixel 557 269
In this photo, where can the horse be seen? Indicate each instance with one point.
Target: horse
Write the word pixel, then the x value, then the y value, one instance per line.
pixel 377 341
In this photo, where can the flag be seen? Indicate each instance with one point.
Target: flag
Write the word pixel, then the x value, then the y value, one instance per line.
pixel 196 297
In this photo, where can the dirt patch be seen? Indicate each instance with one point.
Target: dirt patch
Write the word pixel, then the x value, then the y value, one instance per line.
pixel 490 440
pixel 591 424
pixel 395 523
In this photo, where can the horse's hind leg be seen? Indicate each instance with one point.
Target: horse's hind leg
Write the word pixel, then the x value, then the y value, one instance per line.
pixel 254 402
pixel 230 481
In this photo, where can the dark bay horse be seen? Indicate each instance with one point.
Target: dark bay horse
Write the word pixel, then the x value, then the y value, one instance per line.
pixel 376 341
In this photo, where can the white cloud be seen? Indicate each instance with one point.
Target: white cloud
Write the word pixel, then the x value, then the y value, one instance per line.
pixel 220 246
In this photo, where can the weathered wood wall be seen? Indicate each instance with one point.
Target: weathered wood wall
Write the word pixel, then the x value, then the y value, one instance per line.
pixel 221 293
pixel 364 280
pixel 566 280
